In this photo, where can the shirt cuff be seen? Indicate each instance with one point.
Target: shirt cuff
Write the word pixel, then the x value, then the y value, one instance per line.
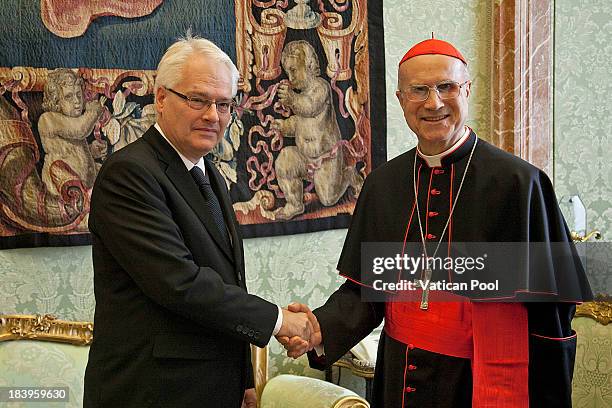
pixel 320 350
pixel 279 322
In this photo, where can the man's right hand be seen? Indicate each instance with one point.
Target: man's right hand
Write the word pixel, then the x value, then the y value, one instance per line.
pixel 295 324
pixel 295 345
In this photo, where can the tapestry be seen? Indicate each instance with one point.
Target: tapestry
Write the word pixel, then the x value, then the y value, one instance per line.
pixel 311 130
pixel 76 85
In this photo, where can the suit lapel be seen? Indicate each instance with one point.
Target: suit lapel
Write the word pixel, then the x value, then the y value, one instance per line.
pixel 184 183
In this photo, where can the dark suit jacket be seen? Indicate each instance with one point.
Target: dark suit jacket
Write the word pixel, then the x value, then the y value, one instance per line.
pixel 173 319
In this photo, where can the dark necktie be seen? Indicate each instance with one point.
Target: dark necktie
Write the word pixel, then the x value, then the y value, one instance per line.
pixel 212 203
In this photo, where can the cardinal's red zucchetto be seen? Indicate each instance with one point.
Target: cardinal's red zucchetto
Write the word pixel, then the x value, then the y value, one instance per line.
pixel 433 46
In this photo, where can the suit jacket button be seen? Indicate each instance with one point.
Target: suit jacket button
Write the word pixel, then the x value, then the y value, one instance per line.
pixel 239 328
pixel 251 333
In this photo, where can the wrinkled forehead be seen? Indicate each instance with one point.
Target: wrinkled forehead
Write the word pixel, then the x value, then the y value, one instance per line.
pixel 431 69
pixel 206 77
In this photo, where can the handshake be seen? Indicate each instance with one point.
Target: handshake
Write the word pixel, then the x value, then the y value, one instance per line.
pixel 300 331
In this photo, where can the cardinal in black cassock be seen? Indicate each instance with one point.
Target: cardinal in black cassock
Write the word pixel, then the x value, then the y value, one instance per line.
pixel 513 349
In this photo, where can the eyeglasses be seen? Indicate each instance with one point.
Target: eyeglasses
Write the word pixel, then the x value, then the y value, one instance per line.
pixel 197 103
pixel 445 90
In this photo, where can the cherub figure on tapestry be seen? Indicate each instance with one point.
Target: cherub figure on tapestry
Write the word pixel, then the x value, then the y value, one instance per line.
pixel 318 154
pixel 64 128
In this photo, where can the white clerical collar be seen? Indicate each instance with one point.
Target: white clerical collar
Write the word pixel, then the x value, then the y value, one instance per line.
pixel 436 159
pixel 188 163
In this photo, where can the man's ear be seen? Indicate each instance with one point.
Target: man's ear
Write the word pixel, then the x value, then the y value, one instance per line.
pixel 160 99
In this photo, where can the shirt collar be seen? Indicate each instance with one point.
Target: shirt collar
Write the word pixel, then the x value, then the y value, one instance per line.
pixel 436 159
pixel 188 163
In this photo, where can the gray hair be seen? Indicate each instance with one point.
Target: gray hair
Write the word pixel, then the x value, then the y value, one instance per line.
pixel 56 80
pixel 170 68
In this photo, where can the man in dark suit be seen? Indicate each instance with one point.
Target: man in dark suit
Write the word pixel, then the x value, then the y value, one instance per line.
pixel 173 319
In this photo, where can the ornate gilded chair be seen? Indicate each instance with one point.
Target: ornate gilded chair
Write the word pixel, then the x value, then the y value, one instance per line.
pixel 592 385
pixel 57 362
pixel 294 391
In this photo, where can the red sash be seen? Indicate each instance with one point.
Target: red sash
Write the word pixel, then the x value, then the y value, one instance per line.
pixel 445 328
pixel 494 336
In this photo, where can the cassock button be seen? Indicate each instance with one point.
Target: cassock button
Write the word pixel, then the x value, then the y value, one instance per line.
pixel 410 389
pixel 411 367
pixel 410 346
pixel 438 171
pixel 435 192
pixel 432 214
pixel 431 236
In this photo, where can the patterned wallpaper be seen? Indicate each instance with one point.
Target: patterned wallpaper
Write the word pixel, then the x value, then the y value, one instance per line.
pixel 48 280
pixel 302 267
pixel 582 125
